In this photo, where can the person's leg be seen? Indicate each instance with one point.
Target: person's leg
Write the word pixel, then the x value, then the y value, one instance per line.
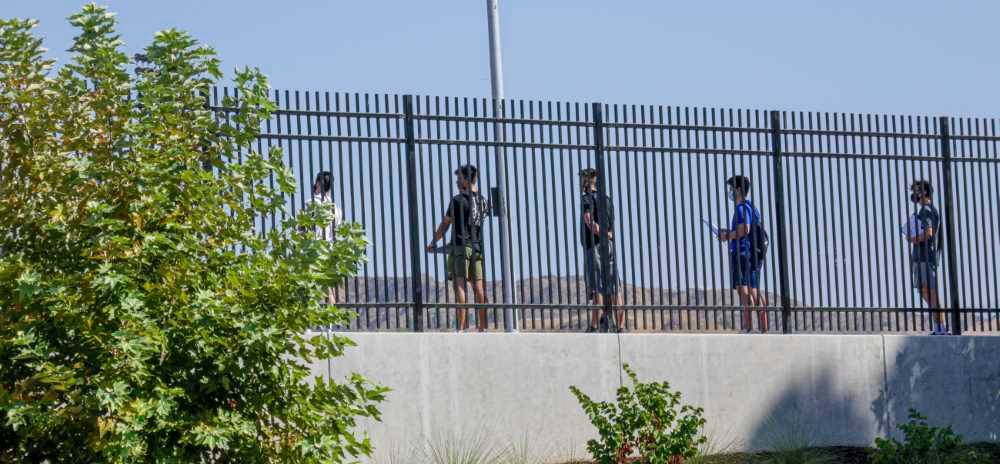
pixel 619 313
pixel 755 297
pixel 461 311
pixel 479 291
pixel 930 296
pixel 925 279
pixel 746 305
pixel 591 280
pixel 595 315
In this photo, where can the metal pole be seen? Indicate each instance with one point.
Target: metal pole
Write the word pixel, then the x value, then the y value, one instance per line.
pixel 604 249
pixel 496 79
pixel 411 188
pixel 779 221
pixel 949 210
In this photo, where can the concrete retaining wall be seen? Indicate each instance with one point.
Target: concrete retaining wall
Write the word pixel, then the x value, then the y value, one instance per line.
pixel 759 392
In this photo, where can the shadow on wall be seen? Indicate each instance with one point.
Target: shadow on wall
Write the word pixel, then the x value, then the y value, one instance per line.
pixel 951 380
pixel 814 412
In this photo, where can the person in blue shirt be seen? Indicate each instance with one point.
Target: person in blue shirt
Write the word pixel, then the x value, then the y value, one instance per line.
pixel 925 248
pixel 744 266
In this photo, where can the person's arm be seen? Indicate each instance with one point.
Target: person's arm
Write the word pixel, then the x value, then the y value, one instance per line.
pixel 592 225
pixel 443 226
pixel 439 232
pixel 741 231
pixel 926 220
pixel 924 236
pixel 742 227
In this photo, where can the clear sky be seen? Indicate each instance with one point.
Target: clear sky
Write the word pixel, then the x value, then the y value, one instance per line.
pixel 911 57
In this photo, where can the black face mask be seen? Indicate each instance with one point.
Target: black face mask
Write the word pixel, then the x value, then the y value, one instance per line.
pixel 915 198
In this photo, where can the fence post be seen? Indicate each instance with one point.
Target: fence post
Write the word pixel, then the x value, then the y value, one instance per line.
pixel 602 208
pixel 949 235
pixel 779 219
pixel 414 205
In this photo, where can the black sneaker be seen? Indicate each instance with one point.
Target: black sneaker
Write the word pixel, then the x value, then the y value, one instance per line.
pixel 591 329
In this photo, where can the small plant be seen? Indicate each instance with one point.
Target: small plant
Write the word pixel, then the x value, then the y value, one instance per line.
pixel 648 422
pixel 924 444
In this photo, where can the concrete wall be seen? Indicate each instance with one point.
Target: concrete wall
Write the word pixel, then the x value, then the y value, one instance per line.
pixel 759 392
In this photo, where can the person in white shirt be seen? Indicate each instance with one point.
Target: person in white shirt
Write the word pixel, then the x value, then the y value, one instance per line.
pixel 321 194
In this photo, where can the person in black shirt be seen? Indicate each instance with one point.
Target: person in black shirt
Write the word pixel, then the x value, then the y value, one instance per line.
pixel 601 277
pixel 924 235
pixel 465 253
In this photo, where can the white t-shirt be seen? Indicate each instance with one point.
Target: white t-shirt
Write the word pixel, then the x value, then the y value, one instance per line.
pixel 328 232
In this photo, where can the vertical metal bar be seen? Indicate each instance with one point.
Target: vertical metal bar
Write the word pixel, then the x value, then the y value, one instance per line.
pixel 949 212
pixel 411 188
pixel 779 219
pixel 602 201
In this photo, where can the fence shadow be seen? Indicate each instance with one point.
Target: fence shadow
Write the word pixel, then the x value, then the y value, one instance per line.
pixel 951 380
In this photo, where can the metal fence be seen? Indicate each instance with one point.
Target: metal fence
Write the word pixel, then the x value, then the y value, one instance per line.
pixel 832 189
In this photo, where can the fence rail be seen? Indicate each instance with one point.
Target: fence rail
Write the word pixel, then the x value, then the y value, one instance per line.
pixel 832 189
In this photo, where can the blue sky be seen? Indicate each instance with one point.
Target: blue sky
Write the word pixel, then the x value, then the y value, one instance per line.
pixel 912 57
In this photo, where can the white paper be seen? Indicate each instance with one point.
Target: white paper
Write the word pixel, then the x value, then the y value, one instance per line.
pixel 711 227
pixel 911 228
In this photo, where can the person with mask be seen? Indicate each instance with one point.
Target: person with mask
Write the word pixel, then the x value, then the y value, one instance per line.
pixel 321 194
pixel 600 277
pixel 464 262
pixel 924 236
pixel 745 261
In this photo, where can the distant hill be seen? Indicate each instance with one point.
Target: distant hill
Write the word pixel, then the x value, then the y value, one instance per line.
pixel 541 290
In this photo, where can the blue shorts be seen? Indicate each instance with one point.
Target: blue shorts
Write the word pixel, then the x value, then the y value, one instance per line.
pixel 743 271
pixel 924 275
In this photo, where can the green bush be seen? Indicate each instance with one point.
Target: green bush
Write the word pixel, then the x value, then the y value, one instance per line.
pixel 924 444
pixel 648 422
pixel 142 318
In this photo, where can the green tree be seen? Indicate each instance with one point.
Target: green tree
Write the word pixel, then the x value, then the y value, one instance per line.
pixel 142 318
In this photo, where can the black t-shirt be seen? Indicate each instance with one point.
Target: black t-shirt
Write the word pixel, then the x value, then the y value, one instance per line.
pixel 590 203
pixel 926 252
pixel 467 211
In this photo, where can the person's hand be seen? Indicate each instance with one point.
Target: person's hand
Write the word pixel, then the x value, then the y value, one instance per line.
pixel 611 236
pixel 723 235
pixel 430 247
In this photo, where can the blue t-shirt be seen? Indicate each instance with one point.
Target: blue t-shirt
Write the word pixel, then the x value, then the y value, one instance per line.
pixel 745 214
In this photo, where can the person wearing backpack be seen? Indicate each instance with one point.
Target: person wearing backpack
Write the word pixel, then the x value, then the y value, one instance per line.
pixel 747 248
pixel 464 262
pixel 926 244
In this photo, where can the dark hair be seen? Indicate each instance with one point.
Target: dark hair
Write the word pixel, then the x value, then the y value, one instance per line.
pixel 469 172
pixel 325 181
pixel 588 173
pixel 741 183
pixel 924 186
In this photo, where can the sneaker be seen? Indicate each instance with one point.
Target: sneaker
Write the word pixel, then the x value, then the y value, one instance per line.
pixel 591 329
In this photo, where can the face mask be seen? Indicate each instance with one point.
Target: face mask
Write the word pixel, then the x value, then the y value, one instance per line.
pixel 915 198
pixel 731 193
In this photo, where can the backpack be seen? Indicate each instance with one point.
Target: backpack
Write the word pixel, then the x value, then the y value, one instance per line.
pixel 759 241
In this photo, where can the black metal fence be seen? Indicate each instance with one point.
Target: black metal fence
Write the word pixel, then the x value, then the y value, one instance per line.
pixel 832 189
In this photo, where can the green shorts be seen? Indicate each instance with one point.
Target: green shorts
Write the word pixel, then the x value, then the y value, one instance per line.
pixel 464 262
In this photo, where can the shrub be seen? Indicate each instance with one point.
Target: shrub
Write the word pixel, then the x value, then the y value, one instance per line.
pixel 648 421
pixel 924 444
pixel 142 318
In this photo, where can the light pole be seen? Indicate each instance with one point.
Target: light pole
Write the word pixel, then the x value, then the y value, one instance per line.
pixel 496 79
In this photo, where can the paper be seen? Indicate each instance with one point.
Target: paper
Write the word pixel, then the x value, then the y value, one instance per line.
pixel 911 228
pixel 711 227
